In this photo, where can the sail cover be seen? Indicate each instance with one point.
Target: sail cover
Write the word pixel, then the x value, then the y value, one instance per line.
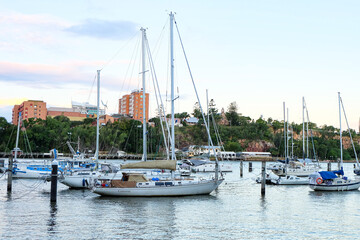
pixel 157 164
pixel 330 174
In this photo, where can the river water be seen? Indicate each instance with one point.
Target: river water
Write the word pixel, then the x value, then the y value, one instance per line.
pixel 235 210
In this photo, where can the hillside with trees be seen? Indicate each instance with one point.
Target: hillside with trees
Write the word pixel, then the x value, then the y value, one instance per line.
pixel 237 133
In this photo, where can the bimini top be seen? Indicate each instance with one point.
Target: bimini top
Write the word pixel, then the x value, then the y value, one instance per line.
pixel 330 174
pixel 156 164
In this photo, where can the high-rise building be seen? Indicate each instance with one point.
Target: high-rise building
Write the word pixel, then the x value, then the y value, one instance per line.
pixel 29 109
pixel 132 105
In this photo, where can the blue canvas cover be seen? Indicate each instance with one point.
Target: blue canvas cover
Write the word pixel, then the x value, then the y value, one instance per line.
pixel 327 175
pixel 330 174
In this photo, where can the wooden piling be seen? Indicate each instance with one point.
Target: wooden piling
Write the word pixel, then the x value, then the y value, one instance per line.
pixel 241 168
pixel 54 176
pixel 329 166
pixel 263 178
pixel 250 166
pixel 10 171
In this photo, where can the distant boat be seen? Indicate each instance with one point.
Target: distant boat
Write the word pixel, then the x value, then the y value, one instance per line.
pixel 291 180
pixel 334 180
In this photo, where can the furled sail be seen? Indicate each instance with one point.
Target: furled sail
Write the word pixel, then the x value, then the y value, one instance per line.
pixel 156 164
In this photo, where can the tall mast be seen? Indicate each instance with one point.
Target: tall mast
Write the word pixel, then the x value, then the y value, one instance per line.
pixel 172 86
pixel 143 30
pixel 285 132
pixel 341 151
pixel 307 138
pixel 303 131
pixel 17 137
pixel 208 119
pixel 292 142
pixel 97 116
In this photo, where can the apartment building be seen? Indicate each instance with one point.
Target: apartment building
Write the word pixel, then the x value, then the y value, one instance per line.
pixel 29 109
pixel 132 105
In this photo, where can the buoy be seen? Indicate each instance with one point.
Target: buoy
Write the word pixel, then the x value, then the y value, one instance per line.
pixel 319 180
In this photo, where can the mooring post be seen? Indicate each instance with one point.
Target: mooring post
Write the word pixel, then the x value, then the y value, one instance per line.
pixel 329 166
pixel 263 179
pixel 241 168
pixel 339 164
pixel 250 166
pixel 54 176
pixel 10 171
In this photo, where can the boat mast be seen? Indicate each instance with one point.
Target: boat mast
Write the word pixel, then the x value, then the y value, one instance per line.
pixel 172 86
pixel 208 119
pixel 97 117
pixel 303 131
pixel 292 142
pixel 285 132
pixel 341 151
pixel 307 139
pixel 143 30
pixel 17 137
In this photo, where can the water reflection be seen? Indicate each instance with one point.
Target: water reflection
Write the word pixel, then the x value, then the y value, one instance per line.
pixel 51 223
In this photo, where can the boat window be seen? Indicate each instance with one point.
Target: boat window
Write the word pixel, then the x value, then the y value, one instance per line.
pixel 140 183
pixel 147 183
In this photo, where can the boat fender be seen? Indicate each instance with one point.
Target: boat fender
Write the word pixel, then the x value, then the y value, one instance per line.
pixel 319 180
pixel 86 182
pixel 83 182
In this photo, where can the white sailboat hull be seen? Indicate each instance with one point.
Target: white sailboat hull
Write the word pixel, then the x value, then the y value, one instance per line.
pixel 79 181
pixel 161 191
pixel 30 174
pixel 299 172
pixel 337 185
pixel 291 180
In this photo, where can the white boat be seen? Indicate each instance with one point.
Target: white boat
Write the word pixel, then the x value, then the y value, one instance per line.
pixel 291 166
pixel 131 184
pixel 334 180
pixel 139 184
pixel 294 168
pixel 291 180
pixel 268 178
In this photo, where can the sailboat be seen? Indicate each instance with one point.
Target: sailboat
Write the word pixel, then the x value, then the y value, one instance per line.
pixel 82 178
pixel 334 180
pixel 138 184
pixel 297 167
pixel 288 175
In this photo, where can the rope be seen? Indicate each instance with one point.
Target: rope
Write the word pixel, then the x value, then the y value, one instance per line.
pixel 197 96
pixel 118 51
pixel 91 89
pixel 12 131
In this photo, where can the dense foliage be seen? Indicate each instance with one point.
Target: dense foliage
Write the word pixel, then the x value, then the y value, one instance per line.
pixel 126 135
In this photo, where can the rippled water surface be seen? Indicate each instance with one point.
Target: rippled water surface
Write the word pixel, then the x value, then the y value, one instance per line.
pixel 235 211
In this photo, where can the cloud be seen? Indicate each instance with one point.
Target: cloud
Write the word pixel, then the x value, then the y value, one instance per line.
pixel 45 75
pixel 105 29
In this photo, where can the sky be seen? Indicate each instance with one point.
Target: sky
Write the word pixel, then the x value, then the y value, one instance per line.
pixel 258 54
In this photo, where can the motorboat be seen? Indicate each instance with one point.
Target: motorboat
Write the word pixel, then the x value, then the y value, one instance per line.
pixel 290 180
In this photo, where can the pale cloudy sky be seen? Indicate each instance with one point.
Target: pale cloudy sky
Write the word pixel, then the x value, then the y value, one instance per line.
pixel 257 53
